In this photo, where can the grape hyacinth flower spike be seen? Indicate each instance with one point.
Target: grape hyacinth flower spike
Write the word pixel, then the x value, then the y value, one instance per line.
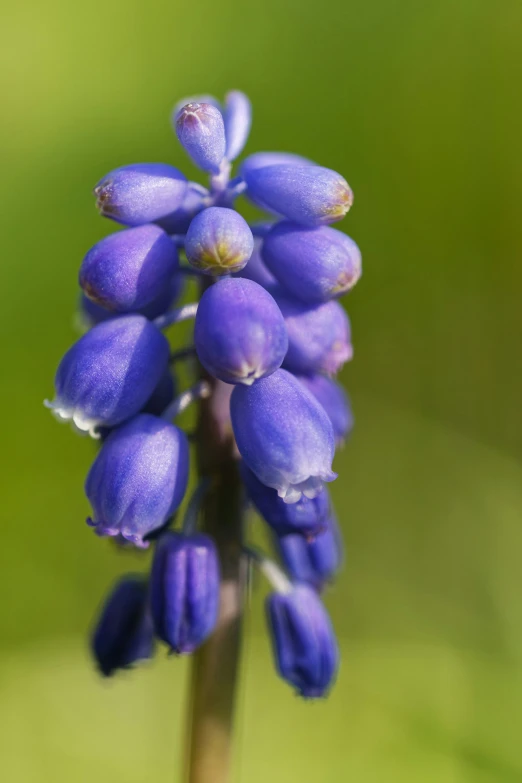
pixel 265 335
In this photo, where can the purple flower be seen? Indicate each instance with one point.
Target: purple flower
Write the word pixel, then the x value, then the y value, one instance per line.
pixel 138 479
pixel 238 119
pixel 124 634
pixel 130 269
pixel 303 641
pixel 184 590
pixel 219 241
pixel 239 333
pixel 109 374
pixel 284 435
pixel 309 195
pixel 334 400
pixel 304 518
pixel 313 264
pixel 268 337
pixel 313 560
pixel 140 193
pixel 319 338
pixel 201 131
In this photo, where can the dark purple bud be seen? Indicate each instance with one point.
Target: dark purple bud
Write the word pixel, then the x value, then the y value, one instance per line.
pixel 219 241
pixel 130 269
pixel 201 131
pixel 305 518
pixel 319 338
pixel 124 634
pixel 184 590
pixel 256 268
pixel 138 479
pixel 284 435
pixel 92 313
pixel 238 119
pixel 140 193
pixel 260 160
pixel 239 333
pixel 313 264
pixel 304 644
pixel 334 400
pixel 110 373
pixel 309 195
pixel 314 560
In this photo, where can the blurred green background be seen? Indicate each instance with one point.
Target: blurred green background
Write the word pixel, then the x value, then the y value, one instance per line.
pixel 418 105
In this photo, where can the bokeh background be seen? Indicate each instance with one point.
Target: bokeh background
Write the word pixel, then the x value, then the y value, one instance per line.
pixel 418 105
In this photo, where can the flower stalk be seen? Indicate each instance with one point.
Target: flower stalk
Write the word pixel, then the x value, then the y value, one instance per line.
pixel 215 666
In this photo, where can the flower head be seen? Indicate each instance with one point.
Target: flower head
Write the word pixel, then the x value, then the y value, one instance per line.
pixel 267 336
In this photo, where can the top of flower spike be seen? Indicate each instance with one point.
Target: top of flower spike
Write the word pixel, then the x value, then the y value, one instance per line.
pixel 201 131
pixel 237 119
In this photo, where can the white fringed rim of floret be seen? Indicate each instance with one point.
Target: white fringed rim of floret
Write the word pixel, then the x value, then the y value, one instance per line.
pixel 309 487
pixel 81 423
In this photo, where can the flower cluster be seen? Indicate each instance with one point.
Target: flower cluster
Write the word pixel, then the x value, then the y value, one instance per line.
pixel 269 335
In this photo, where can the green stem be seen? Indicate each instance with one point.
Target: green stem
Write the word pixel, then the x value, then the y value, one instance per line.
pixel 215 667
